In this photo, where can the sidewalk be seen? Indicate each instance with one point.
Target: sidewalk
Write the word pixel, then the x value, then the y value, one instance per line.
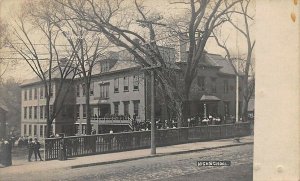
pixel 24 167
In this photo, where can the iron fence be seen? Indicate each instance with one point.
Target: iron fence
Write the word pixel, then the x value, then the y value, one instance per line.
pixel 116 142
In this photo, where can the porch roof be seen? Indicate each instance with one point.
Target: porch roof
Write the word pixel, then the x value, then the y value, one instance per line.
pixel 209 98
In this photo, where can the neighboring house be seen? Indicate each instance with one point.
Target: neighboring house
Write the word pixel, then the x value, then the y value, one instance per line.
pixel 213 91
pixel 120 90
pixel 3 123
pixel 33 104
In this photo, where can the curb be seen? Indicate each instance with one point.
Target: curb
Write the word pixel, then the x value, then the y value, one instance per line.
pixel 157 155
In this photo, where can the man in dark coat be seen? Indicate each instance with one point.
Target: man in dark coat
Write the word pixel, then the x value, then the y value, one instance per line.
pixel 6 153
pixel 36 149
pixel 30 149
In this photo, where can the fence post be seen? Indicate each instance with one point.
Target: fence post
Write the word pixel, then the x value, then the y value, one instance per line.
pixel 44 149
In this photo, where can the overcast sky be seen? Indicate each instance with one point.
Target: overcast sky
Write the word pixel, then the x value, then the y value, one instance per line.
pixel 22 71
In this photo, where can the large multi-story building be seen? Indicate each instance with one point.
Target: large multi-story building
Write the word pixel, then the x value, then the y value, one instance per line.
pixel 119 90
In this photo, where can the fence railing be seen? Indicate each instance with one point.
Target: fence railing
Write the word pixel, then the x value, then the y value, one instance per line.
pixel 111 120
pixel 115 142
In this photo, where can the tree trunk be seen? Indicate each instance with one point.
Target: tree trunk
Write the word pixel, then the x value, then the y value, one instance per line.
pixel 88 108
pixel 245 100
pixel 47 112
pixel 186 104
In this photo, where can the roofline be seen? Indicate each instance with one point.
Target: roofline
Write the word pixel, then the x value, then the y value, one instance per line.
pixel 38 82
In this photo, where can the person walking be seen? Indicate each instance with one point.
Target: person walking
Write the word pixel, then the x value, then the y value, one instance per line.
pixel 30 149
pixel 36 149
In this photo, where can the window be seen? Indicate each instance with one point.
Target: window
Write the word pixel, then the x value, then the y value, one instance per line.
pixel 51 91
pixel 25 95
pixel 30 94
pixel 29 127
pixel 41 112
pixel 226 86
pixel 126 107
pixel 92 112
pixel 136 105
pixel 34 130
pixel 77 111
pixel 25 129
pixel 104 90
pixel 35 112
pixel 30 112
pixel 83 129
pixel 41 130
pixel 78 90
pixel 45 111
pixel 84 110
pixel 92 89
pixel 116 85
pixel 25 112
pixel 35 93
pixel 201 83
pixel 116 108
pixel 105 66
pixel 213 85
pixel 126 84
pixel 83 89
pixel 135 82
pixel 42 93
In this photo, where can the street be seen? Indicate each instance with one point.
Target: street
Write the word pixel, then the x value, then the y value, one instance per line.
pixel 172 167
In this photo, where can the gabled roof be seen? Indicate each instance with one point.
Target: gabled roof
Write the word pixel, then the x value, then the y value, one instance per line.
pixel 219 61
pixel 209 98
pixel 123 64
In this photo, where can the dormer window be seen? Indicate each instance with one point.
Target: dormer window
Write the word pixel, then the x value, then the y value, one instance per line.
pixel 104 66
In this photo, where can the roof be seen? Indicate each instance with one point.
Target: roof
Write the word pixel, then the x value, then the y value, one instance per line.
pixel 122 64
pixel 55 75
pixel 209 98
pixel 218 61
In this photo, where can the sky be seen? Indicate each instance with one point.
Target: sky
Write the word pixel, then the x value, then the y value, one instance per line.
pixel 22 71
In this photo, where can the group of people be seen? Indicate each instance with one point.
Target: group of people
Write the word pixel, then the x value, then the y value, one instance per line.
pixel 34 147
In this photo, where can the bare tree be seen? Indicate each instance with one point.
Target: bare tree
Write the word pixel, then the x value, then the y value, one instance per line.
pixel 109 18
pixel 247 62
pixel 49 67
pixel 3 33
pixel 88 48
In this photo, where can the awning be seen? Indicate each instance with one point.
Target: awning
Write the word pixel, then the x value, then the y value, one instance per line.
pixel 209 98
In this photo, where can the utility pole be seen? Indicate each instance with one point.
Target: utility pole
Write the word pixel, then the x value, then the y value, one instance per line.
pixel 237 80
pixel 152 114
pixel 149 24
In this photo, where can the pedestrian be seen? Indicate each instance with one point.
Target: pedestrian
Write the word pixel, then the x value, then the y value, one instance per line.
pixel 36 149
pixel 1 151
pixel 6 153
pixel 30 149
